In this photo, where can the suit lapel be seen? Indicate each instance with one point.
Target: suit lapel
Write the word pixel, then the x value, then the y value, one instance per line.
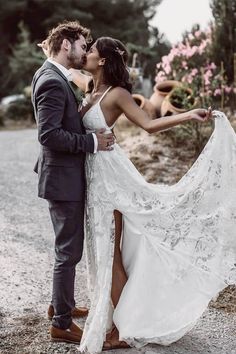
pixel 70 86
pixel 48 65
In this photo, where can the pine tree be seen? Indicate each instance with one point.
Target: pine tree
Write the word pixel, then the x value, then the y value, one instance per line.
pixel 224 35
pixel 25 59
pixel 127 20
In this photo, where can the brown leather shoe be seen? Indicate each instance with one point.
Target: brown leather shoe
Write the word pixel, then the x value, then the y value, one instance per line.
pixel 76 312
pixel 71 335
pixel 112 341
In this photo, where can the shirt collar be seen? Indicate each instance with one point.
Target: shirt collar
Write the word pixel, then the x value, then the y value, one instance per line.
pixel 64 71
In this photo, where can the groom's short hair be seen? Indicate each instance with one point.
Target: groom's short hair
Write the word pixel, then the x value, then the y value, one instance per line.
pixel 71 30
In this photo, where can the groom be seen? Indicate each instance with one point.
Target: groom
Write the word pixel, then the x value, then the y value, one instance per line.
pixel 60 166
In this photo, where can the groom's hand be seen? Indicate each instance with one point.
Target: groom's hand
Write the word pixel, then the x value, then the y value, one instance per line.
pixel 44 46
pixel 105 141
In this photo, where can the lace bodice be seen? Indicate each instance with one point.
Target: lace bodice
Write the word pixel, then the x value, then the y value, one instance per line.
pixel 94 118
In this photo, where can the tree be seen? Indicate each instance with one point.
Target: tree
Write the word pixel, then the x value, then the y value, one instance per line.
pixel 127 20
pixel 224 35
pixel 24 61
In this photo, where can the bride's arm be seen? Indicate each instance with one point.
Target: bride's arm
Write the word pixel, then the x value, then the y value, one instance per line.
pixel 81 80
pixel 126 104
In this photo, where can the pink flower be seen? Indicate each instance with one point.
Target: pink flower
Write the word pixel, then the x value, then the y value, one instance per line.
pixel 206 81
pixel 167 69
pixel 160 77
pixel 190 37
pixel 228 89
pixel 197 34
pixel 165 60
pixel 217 92
pixel 202 47
pixel 212 66
pixel 208 73
pixel 194 72
pixel 184 64
pixel 175 51
pixel 189 79
pixel 194 49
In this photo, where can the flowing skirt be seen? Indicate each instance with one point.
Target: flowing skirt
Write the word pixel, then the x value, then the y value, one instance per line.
pixel 178 243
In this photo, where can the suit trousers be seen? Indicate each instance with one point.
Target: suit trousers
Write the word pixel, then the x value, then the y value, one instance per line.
pixel 68 223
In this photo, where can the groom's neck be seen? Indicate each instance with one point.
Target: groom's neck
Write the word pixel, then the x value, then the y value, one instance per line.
pixel 61 60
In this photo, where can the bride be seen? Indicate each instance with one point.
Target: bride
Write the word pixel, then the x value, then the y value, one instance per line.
pixel 173 248
pixel 156 254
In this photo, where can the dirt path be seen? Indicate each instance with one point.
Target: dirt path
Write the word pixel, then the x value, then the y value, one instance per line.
pixel 26 261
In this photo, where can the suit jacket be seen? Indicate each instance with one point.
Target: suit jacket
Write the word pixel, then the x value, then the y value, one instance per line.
pixel 63 142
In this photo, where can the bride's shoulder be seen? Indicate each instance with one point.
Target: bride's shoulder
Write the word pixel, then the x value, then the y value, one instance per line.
pixel 119 92
pixel 120 89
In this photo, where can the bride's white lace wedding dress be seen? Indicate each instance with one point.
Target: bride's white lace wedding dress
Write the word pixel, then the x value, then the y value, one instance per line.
pixel 179 241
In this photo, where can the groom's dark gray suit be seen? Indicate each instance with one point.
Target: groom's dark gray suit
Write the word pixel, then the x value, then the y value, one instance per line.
pixel 60 168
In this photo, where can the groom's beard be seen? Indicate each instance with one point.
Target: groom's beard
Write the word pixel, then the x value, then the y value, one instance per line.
pixel 74 61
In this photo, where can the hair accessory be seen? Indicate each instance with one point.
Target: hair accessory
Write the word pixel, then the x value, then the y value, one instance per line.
pixel 119 51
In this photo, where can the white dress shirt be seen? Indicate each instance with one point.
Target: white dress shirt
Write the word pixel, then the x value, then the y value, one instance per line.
pixel 68 75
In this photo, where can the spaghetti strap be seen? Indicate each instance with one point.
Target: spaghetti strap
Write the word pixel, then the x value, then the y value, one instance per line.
pixel 104 93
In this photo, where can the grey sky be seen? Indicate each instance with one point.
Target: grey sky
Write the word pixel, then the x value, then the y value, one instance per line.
pixel 175 16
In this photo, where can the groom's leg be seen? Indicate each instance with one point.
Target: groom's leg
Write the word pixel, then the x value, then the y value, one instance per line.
pixel 68 223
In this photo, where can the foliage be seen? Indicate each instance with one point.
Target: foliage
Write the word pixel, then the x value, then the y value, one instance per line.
pixel 20 110
pixel 191 134
pixel 24 61
pixel 190 62
pixel 126 20
pixel 224 35
pixel 1 117
pixel 149 55
pixel 181 97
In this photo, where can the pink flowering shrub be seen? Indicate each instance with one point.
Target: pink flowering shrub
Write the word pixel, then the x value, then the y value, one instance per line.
pixel 189 62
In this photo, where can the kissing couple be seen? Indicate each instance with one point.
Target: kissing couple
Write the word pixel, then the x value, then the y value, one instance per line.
pixel 156 254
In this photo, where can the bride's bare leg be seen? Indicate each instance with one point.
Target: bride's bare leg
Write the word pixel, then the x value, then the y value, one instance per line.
pixel 119 277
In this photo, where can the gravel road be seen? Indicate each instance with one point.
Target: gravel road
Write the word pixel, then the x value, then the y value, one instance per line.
pixel 26 261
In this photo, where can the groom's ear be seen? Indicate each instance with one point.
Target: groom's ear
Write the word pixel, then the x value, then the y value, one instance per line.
pixel 66 44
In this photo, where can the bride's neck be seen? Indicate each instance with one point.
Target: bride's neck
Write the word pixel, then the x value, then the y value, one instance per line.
pixel 98 83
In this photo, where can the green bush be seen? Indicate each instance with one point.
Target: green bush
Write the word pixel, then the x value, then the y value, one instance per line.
pixel 191 135
pixel 1 118
pixel 20 110
pixel 182 98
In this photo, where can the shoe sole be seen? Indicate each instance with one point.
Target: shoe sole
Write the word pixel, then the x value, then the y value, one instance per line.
pixel 116 347
pixel 55 340
pixel 81 316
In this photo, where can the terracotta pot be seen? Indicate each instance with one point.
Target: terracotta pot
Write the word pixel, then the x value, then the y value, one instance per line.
pixel 145 104
pixel 167 107
pixel 161 90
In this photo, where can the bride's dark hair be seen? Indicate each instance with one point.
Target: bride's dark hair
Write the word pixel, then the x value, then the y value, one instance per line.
pixel 115 68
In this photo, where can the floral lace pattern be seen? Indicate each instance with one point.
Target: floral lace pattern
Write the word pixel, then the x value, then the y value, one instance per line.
pixel 179 243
